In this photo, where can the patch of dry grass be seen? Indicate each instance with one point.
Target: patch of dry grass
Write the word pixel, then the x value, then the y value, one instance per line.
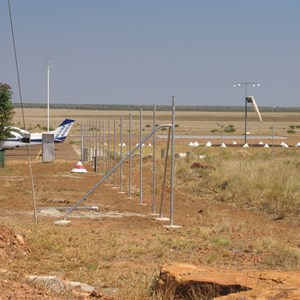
pixel 188 122
pixel 128 259
pixel 279 254
pixel 121 260
pixel 258 180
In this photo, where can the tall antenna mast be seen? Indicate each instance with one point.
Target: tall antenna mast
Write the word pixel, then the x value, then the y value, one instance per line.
pixel 48 93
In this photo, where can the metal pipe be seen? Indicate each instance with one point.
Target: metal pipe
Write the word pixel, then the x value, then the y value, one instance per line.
pixel 130 157
pixel 103 146
pixel 96 146
pixel 92 207
pixel 93 137
pixel 115 159
pixel 100 148
pixel 88 140
pixel 108 148
pixel 165 174
pixel 172 164
pixel 95 160
pixel 121 153
pixel 81 139
pixel 114 169
pixel 141 158
pixel 99 144
pixel 154 164
pixel 246 106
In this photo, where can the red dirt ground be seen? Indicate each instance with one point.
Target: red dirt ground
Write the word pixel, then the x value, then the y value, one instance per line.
pixel 189 212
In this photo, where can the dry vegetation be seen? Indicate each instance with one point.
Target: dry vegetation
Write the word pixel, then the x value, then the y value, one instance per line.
pixel 239 208
pixel 187 122
pixel 253 179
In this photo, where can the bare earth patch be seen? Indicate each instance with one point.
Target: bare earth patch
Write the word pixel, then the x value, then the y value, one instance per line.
pixel 120 249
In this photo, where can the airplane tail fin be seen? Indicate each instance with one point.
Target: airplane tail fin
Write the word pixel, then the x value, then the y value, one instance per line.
pixel 61 132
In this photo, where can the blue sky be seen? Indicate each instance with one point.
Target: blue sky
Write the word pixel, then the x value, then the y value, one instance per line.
pixel 142 52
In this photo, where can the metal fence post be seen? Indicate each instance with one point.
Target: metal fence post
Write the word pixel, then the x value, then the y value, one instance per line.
pixel 108 148
pixel 115 159
pixel 103 147
pixel 154 164
pixel 130 157
pixel 172 168
pixel 141 157
pixel 121 154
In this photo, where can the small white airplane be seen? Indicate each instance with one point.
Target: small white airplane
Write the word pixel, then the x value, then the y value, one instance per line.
pixel 20 137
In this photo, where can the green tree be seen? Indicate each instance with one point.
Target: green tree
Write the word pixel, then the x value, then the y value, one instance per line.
pixel 6 110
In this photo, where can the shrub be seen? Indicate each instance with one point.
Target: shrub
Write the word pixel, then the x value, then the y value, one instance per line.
pixel 290 131
pixel 229 129
pixel 6 110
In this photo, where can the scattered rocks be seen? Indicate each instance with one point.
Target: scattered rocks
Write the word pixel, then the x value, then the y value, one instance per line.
pixel 180 280
pixel 20 239
pixel 59 286
pixel 180 155
pixel 62 223
pixel 199 165
pixel 49 282
pixel 147 158
pixel 11 244
pixel 3 255
pixel 21 291
pixel 3 272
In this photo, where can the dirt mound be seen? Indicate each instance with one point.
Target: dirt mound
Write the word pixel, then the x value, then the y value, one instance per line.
pixel 12 245
pixel 15 290
pixel 187 281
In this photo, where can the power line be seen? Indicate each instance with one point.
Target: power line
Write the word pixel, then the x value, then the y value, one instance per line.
pixel 22 110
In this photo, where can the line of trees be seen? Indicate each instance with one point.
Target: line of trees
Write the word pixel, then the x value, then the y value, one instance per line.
pixel 130 107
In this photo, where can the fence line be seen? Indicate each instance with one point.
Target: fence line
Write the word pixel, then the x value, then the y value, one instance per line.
pixel 89 135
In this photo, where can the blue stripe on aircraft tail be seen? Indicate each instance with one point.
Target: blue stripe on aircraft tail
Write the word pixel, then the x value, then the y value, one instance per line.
pixel 66 121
